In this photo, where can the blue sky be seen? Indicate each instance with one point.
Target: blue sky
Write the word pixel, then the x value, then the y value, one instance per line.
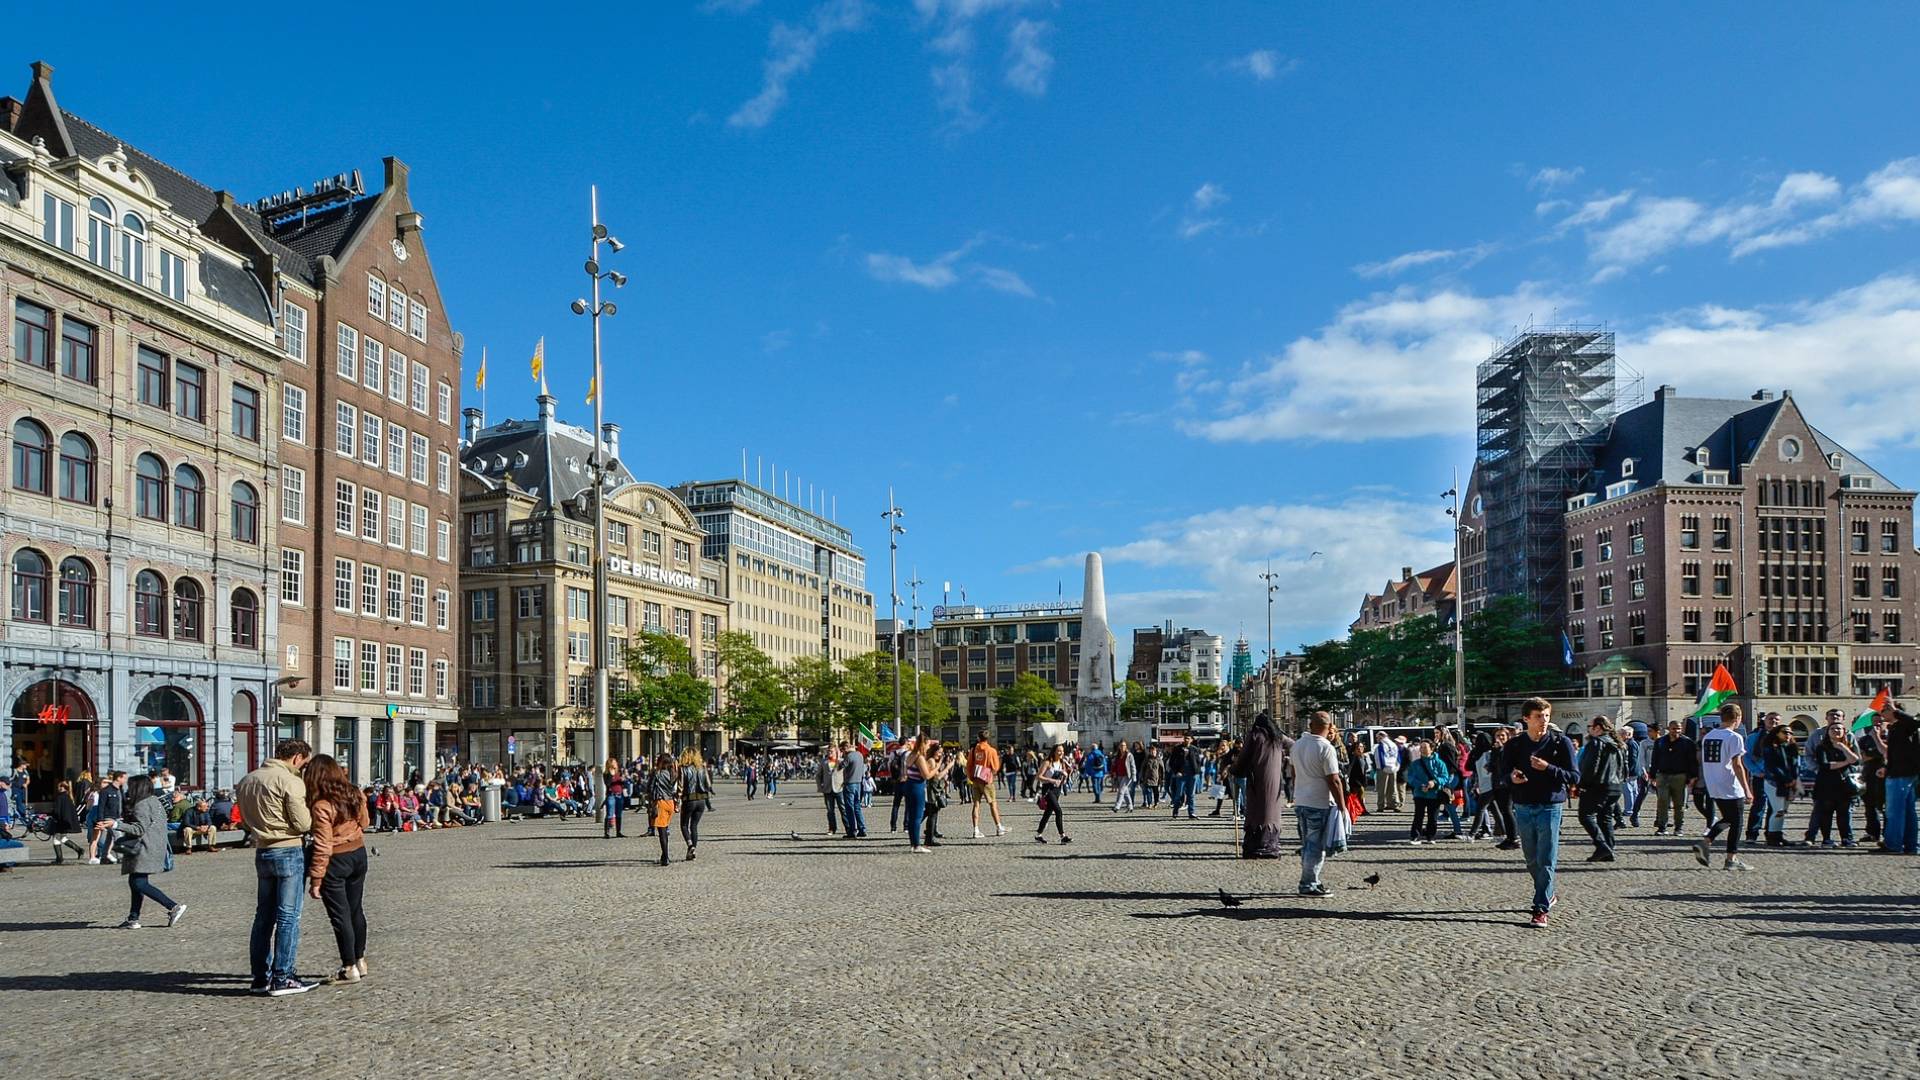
pixel 1192 284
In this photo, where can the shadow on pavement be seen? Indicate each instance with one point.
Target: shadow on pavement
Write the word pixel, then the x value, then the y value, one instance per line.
pixel 567 864
pixel 1244 914
pixel 202 983
pixel 26 927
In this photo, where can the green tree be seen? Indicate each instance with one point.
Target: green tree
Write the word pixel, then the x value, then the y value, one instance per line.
pixel 867 695
pixel 1510 651
pixel 1027 699
pixel 816 690
pixel 1137 702
pixel 756 697
pixel 661 685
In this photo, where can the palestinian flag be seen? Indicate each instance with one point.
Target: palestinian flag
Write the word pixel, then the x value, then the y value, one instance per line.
pixel 1717 693
pixel 1865 719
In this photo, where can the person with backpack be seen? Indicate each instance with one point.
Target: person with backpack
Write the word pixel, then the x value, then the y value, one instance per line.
pixel 140 841
pixel 1603 770
pixel 1094 768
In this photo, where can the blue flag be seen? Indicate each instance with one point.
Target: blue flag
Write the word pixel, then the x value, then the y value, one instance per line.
pixel 1566 649
pixel 886 734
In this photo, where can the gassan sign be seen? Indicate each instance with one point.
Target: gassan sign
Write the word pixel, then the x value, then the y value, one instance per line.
pixel 673 579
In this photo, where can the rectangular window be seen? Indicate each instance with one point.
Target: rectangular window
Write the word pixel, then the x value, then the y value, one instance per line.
pixel 396 309
pixel 1637 583
pixel 617 609
pixel 482 692
pixel 417 387
pixel 345 498
pixel 1890 628
pixel 396 595
pixel 347 359
pixel 1858 532
pixel 529 602
pixel 342 663
pixel 417 528
pixel 293 331
pixel 1689 579
pixel 1890 537
pixel 443 540
pixel 481 605
pixel 529 647
pixel 79 350
pixel 417 600
pixel 370 429
pixel 416 672
pixel 579 647
pixel 442 471
pixel 1576 597
pixel 709 628
pixel 293 495
pixel 1603 545
pixel 293 414
pixel 346 428
pixel 443 403
pixel 152 374
pixel 343 585
pixel 1890 583
pixel 173 275
pixel 246 413
pixel 396 450
pixel 440 606
pixel 683 622
pixel 396 659
pixel 650 612
pixel 396 522
pixel 1690 531
pixel 440 680
pixel 293 576
pixel 579 604
pixel 370 591
pixel 1723 626
pixel 369 515
pixel 1723 534
pixel 417 458
pixel 376 297
pixel 56 221
pixel 1722 579
pixel 1606 588
pixel 189 392
pixel 397 377
pixel 1690 626
pixel 373 364
pixel 1606 631
pixel 416 321
pixel 1862 582
pixel 33 339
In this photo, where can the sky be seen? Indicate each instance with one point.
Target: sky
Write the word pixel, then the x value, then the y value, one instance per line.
pixel 1198 286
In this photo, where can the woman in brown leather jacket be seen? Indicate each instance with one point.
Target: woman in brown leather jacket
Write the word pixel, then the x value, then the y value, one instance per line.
pixel 337 862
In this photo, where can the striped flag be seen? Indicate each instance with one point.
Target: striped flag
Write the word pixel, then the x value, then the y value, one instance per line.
pixel 1865 719
pixel 1716 693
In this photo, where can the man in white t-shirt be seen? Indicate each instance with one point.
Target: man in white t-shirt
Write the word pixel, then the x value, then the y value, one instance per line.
pixel 1386 774
pixel 1723 772
pixel 1318 794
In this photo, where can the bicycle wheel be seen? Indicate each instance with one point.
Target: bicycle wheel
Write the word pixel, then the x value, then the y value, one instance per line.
pixel 42 830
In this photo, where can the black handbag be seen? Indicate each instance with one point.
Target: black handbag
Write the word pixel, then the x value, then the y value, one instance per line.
pixel 126 845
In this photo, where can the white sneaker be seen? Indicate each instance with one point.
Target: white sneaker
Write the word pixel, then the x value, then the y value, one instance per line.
pixel 93 862
pixel 1002 832
pixel 1734 863
pixel 978 835
pixel 175 914
pixel 921 851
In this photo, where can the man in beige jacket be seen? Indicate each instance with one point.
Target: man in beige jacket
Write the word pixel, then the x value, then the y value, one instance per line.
pixel 273 807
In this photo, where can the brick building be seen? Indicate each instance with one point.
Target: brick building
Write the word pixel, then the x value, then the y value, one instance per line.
pixel 1429 592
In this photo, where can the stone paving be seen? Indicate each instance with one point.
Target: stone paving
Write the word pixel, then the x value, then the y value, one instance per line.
pixel 538 949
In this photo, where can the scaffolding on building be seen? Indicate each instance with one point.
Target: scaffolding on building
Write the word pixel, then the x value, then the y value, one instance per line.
pixel 1546 401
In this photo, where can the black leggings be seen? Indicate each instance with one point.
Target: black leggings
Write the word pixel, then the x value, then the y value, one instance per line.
pixel 1730 811
pixel 1052 811
pixel 691 813
pixel 1502 800
pixel 1427 811
pixel 342 891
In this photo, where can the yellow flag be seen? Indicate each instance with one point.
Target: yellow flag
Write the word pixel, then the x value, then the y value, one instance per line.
pixel 593 387
pixel 480 379
pixel 539 358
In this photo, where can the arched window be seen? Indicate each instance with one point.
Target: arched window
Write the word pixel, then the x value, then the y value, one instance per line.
pixel 29 586
pixel 166 735
pixel 76 468
pixel 150 488
pixel 189 610
pixel 100 233
pixel 30 445
pixel 245 505
pixel 246 618
pixel 150 604
pixel 133 249
pixel 189 498
pixel 76 593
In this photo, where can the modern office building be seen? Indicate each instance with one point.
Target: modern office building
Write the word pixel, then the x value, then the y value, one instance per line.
pixel 144 520
pixel 1734 532
pixel 798 583
pixel 526 601
pixel 978 650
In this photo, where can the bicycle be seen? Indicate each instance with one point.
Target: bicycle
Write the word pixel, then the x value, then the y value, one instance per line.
pixel 37 825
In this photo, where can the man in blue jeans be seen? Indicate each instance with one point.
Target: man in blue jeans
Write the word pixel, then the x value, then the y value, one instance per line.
pixel 1182 765
pixel 1902 769
pixel 273 807
pixel 1318 794
pixel 853 783
pixel 1539 763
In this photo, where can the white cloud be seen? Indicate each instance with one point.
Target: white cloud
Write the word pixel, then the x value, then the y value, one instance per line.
pixel 1029 64
pixel 1412 259
pixel 1395 365
pixel 1551 177
pixel 1263 64
pixel 790 52
pixel 946 270
pixel 1654 226
pixel 1889 195
pixel 1003 280
pixel 1592 211
pixel 1205 198
pixel 1362 542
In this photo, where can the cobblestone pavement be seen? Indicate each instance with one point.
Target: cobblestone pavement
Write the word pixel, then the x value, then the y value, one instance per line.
pixel 537 948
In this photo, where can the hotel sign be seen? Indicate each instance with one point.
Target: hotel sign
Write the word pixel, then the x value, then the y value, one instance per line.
pixel 673 579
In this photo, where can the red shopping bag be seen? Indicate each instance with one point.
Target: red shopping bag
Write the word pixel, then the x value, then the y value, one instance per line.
pixel 1356 806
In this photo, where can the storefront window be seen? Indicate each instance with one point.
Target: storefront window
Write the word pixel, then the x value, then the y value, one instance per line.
pixel 346 736
pixel 416 748
pixel 380 751
pixel 167 736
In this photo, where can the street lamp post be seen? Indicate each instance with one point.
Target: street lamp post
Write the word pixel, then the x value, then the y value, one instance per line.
pixel 1272 579
pixel 1459 607
pixel 913 607
pixel 893 514
pixel 597 471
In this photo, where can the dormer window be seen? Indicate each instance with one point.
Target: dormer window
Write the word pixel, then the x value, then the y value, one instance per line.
pixel 1714 476
pixel 1701 457
pixel 1836 462
pixel 1626 467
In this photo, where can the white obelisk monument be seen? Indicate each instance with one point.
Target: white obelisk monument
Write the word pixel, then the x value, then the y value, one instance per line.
pixel 1096 709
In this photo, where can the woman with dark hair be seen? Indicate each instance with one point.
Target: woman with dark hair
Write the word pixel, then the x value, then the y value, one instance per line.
pixel 337 862
pixel 696 798
pixel 614 803
pixel 1780 763
pixel 1052 780
pixel 661 788
pixel 146 824
pixel 1833 790
pixel 64 823
pixel 1258 765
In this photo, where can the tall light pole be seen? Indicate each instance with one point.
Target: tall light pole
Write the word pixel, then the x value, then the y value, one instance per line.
pixel 1273 586
pixel 893 514
pixel 1459 607
pixel 597 470
pixel 913 606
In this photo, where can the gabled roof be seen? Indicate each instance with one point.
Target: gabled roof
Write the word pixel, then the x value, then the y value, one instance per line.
pixel 1663 436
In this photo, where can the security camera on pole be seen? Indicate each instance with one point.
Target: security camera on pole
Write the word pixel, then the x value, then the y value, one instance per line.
pixel 893 514
pixel 597 470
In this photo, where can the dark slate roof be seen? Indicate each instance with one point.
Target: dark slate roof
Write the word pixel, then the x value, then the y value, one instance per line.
pixel 1662 436
pixel 326 231
pixel 236 288
pixel 10 189
pixel 546 459
pixel 189 198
